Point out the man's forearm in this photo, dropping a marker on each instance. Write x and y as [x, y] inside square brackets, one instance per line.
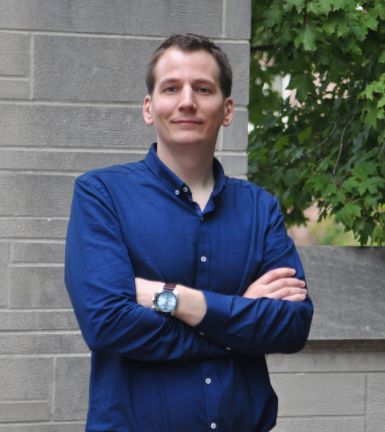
[191, 306]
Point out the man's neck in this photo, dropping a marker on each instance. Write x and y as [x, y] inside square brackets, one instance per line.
[194, 167]
[191, 165]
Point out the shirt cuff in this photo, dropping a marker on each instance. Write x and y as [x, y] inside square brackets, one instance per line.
[218, 310]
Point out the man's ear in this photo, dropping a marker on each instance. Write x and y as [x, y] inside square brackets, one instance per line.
[147, 110]
[229, 112]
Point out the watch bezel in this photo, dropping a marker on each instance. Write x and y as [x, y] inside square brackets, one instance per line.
[167, 290]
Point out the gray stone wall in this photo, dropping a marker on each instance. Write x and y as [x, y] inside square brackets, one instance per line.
[71, 90]
[337, 383]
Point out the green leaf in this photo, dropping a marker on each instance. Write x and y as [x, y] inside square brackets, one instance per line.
[364, 169]
[298, 4]
[381, 58]
[339, 4]
[381, 102]
[304, 135]
[348, 213]
[320, 7]
[350, 184]
[308, 38]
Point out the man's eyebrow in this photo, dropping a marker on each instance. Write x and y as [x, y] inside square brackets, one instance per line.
[204, 81]
[195, 81]
[168, 81]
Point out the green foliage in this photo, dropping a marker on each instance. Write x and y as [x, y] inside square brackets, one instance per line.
[326, 142]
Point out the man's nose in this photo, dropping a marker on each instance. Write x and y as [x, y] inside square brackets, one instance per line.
[187, 99]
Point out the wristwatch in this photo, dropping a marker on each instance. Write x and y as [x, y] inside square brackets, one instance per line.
[166, 299]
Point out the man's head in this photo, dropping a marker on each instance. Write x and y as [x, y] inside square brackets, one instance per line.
[189, 43]
[187, 88]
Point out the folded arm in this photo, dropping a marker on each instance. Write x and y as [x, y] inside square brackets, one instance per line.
[274, 313]
[277, 321]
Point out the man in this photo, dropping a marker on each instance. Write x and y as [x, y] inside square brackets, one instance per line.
[181, 278]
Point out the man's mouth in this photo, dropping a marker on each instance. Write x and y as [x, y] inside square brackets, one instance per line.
[187, 121]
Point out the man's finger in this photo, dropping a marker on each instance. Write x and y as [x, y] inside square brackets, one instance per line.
[285, 283]
[296, 297]
[273, 275]
[286, 292]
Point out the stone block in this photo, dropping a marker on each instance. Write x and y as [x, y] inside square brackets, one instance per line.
[43, 427]
[149, 17]
[347, 286]
[237, 23]
[74, 126]
[375, 410]
[34, 228]
[35, 195]
[4, 252]
[37, 287]
[42, 343]
[329, 361]
[235, 136]
[73, 161]
[14, 89]
[24, 379]
[239, 56]
[3, 285]
[90, 68]
[37, 252]
[71, 388]
[308, 394]
[320, 424]
[24, 411]
[235, 165]
[37, 320]
[14, 54]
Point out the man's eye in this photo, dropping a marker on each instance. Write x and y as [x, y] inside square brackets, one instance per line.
[204, 90]
[170, 89]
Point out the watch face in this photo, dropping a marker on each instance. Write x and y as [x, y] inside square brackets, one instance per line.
[166, 301]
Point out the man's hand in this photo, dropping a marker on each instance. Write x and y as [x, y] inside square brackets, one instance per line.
[278, 284]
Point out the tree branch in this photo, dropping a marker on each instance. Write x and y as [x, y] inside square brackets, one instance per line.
[342, 143]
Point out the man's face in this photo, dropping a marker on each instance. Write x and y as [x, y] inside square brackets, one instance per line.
[187, 106]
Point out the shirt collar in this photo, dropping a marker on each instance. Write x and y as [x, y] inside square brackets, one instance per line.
[172, 181]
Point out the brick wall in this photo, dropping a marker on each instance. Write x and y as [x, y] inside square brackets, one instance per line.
[71, 90]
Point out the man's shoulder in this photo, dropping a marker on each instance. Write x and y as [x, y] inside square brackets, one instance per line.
[113, 173]
[246, 187]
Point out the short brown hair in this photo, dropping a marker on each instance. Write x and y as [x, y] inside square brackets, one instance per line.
[192, 42]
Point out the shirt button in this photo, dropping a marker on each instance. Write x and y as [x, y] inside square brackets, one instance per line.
[228, 348]
[203, 259]
[213, 425]
[208, 380]
[177, 192]
[202, 334]
[185, 189]
[202, 218]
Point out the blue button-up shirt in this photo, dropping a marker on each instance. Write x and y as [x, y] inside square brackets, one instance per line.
[153, 373]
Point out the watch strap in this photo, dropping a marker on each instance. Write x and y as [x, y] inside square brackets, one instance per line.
[169, 287]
